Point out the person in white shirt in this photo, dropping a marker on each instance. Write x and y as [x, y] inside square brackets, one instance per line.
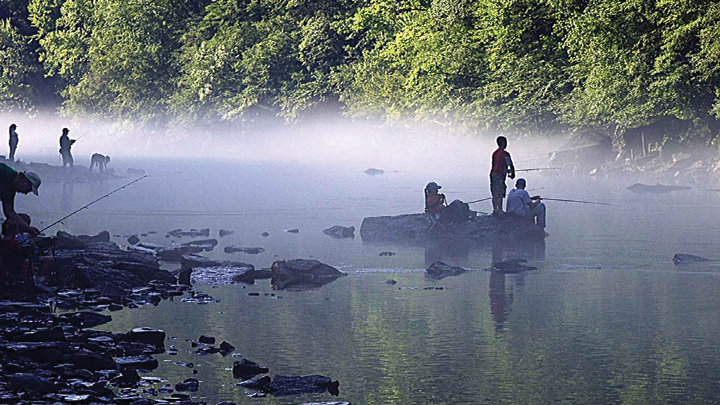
[520, 203]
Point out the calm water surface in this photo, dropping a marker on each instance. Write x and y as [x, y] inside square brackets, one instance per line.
[606, 318]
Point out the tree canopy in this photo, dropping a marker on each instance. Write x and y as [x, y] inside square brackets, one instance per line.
[528, 66]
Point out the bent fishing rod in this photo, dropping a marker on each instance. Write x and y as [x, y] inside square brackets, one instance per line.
[89, 204]
[538, 168]
[579, 201]
[489, 198]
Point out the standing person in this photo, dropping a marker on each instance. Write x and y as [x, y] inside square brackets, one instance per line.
[13, 142]
[521, 204]
[502, 167]
[11, 183]
[65, 145]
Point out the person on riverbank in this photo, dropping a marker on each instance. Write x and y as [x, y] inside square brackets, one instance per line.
[521, 204]
[11, 183]
[65, 145]
[100, 161]
[13, 142]
[502, 167]
[435, 204]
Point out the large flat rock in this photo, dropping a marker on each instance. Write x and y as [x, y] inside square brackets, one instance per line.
[419, 227]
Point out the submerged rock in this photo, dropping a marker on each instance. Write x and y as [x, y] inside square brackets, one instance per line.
[224, 232]
[511, 266]
[682, 258]
[302, 273]
[440, 270]
[245, 369]
[248, 250]
[257, 384]
[340, 232]
[374, 172]
[419, 228]
[194, 233]
[294, 230]
[189, 385]
[208, 340]
[295, 385]
[205, 244]
[133, 240]
[264, 234]
[656, 189]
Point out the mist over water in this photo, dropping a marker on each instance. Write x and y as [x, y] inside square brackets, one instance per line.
[605, 317]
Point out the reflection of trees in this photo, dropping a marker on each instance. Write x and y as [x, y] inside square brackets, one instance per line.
[579, 337]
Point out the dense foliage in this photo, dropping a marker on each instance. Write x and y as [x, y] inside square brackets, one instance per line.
[511, 65]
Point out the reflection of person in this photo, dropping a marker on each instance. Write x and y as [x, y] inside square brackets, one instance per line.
[12, 182]
[521, 204]
[13, 142]
[65, 145]
[456, 212]
[100, 161]
[502, 166]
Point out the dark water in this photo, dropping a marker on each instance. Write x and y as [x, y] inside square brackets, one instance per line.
[607, 317]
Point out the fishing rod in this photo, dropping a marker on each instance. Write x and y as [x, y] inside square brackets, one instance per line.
[579, 201]
[93, 202]
[538, 168]
[489, 198]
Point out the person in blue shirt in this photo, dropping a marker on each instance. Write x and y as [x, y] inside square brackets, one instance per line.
[521, 204]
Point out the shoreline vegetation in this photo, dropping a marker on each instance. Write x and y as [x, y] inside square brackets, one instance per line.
[641, 77]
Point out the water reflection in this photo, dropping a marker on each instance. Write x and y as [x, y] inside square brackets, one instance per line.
[501, 297]
[453, 250]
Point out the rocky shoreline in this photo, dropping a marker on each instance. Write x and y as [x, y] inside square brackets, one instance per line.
[50, 353]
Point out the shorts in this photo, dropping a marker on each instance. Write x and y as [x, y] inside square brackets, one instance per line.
[497, 186]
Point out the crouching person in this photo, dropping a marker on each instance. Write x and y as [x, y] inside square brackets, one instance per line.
[521, 204]
[435, 204]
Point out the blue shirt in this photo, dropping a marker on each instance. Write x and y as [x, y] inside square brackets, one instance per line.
[518, 201]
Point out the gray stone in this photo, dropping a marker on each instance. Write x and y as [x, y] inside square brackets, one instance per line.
[142, 362]
[30, 382]
[245, 369]
[681, 258]
[440, 270]
[286, 385]
[150, 336]
[189, 385]
[302, 273]
[340, 232]
[418, 228]
[133, 240]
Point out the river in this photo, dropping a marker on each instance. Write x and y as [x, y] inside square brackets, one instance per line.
[606, 318]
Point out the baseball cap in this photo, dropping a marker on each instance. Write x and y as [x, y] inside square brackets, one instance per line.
[34, 180]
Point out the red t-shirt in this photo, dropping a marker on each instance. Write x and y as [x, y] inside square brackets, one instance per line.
[500, 162]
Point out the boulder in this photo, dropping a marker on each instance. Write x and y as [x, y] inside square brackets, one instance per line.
[85, 319]
[417, 228]
[226, 348]
[245, 369]
[55, 334]
[286, 385]
[257, 384]
[189, 385]
[149, 336]
[340, 232]
[85, 359]
[302, 273]
[30, 382]
[133, 239]
[440, 270]
[681, 258]
[208, 340]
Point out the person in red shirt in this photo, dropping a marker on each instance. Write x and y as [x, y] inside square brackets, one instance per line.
[502, 167]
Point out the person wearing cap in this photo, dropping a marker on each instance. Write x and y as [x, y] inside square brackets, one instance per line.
[11, 183]
[521, 204]
[65, 145]
[435, 204]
